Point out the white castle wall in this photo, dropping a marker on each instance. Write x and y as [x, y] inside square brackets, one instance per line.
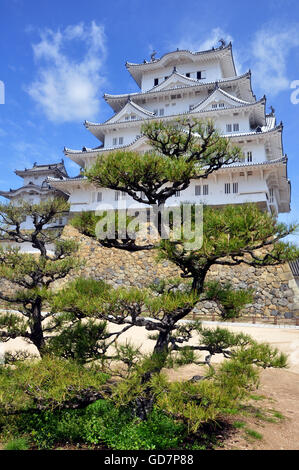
[212, 72]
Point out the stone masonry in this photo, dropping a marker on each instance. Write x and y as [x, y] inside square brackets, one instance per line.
[275, 290]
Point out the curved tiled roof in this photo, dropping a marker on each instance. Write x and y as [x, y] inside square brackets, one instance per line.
[98, 150]
[89, 124]
[184, 51]
[222, 52]
[197, 83]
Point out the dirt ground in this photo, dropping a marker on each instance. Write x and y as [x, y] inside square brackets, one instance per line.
[271, 421]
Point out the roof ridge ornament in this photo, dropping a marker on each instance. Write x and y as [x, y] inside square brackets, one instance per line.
[222, 43]
[153, 54]
[174, 70]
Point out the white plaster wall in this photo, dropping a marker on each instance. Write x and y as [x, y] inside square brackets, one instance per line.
[212, 71]
[250, 189]
[38, 180]
[128, 135]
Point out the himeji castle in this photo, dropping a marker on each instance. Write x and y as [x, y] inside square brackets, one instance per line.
[202, 85]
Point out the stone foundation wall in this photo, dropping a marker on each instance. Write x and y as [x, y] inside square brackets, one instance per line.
[275, 290]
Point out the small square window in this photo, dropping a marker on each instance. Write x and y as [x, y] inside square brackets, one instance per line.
[205, 190]
[228, 127]
[236, 127]
[188, 74]
[178, 194]
[156, 81]
[161, 112]
[99, 197]
[114, 141]
[249, 156]
[120, 140]
[199, 75]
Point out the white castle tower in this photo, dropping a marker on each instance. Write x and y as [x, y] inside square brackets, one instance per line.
[36, 187]
[203, 85]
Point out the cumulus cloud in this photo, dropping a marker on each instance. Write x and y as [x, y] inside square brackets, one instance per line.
[70, 72]
[270, 51]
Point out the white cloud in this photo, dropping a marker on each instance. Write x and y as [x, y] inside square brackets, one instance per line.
[67, 87]
[271, 49]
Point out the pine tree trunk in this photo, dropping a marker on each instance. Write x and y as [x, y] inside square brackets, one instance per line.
[144, 405]
[37, 335]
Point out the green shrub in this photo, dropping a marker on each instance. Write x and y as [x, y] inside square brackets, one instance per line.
[119, 430]
[102, 424]
[47, 428]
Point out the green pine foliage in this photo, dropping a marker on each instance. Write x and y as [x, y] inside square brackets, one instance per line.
[32, 274]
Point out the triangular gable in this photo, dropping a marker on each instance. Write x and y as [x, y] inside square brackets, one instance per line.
[130, 109]
[175, 80]
[219, 97]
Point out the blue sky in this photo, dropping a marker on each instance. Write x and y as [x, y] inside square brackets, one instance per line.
[59, 57]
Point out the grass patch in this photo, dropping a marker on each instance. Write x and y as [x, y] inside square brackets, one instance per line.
[239, 424]
[257, 397]
[20, 443]
[277, 414]
[254, 434]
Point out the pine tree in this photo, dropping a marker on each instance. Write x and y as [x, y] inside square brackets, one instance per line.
[32, 274]
[184, 151]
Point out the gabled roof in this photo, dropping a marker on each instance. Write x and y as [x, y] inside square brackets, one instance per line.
[130, 107]
[30, 187]
[177, 79]
[100, 129]
[217, 95]
[223, 53]
[80, 156]
[242, 81]
[57, 168]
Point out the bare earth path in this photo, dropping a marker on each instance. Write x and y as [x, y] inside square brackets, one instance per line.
[280, 389]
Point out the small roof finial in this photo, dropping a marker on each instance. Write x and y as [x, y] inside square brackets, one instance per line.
[222, 42]
[153, 54]
[272, 110]
[174, 69]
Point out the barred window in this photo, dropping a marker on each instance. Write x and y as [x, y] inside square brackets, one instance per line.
[235, 188]
[197, 190]
[205, 189]
[227, 188]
